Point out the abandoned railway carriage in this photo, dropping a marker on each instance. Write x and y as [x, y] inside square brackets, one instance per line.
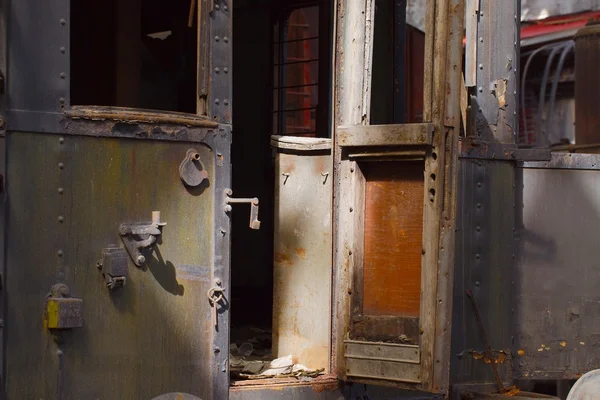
[212, 199]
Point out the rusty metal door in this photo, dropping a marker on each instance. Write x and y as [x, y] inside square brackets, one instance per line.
[117, 253]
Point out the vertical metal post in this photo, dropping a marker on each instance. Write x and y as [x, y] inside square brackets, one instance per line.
[496, 98]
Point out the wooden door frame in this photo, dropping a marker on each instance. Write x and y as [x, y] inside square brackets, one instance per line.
[352, 81]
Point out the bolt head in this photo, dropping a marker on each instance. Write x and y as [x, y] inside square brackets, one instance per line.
[141, 259]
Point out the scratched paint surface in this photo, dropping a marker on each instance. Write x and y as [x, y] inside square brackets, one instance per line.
[152, 336]
[393, 238]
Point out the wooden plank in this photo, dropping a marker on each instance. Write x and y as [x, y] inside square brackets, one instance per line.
[386, 135]
[393, 234]
[351, 107]
[471, 47]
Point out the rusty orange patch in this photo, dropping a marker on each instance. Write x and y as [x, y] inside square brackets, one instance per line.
[301, 252]
[281, 258]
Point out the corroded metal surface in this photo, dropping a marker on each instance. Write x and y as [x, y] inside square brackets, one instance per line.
[556, 281]
[302, 259]
[484, 255]
[152, 336]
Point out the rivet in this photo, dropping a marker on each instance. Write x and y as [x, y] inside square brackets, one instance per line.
[478, 229]
[477, 283]
[226, 70]
[479, 184]
[225, 101]
[217, 101]
[61, 165]
[480, 89]
[477, 256]
[62, 100]
[351, 209]
[226, 39]
[63, 50]
[217, 6]
[216, 38]
[480, 66]
[481, 13]
[61, 190]
[60, 253]
[217, 70]
[225, 8]
[63, 75]
[63, 22]
[59, 353]
[61, 219]
[61, 140]
[481, 39]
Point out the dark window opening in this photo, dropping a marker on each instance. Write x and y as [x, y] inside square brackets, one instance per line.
[397, 91]
[296, 74]
[134, 53]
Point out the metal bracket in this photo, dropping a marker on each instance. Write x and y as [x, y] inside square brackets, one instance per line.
[191, 169]
[254, 222]
[141, 236]
[62, 311]
[113, 267]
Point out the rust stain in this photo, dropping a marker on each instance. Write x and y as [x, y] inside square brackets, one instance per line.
[281, 258]
[301, 252]
[498, 356]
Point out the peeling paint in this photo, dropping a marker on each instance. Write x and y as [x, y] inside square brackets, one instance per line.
[499, 90]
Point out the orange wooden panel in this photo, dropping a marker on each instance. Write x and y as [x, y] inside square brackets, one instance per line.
[393, 238]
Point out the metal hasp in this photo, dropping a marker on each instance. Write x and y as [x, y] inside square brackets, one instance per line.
[113, 267]
[62, 311]
[191, 169]
[254, 222]
[141, 236]
[215, 296]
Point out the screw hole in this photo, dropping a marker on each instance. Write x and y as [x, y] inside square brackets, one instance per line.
[433, 177]
[434, 156]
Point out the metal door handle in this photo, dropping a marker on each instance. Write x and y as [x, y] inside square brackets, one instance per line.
[254, 222]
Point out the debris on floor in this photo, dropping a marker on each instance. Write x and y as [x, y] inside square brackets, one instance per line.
[250, 358]
[282, 367]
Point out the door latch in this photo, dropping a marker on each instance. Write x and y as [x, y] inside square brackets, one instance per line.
[139, 236]
[254, 222]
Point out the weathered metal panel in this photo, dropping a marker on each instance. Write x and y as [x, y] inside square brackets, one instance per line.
[38, 70]
[67, 197]
[302, 255]
[557, 298]
[484, 255]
